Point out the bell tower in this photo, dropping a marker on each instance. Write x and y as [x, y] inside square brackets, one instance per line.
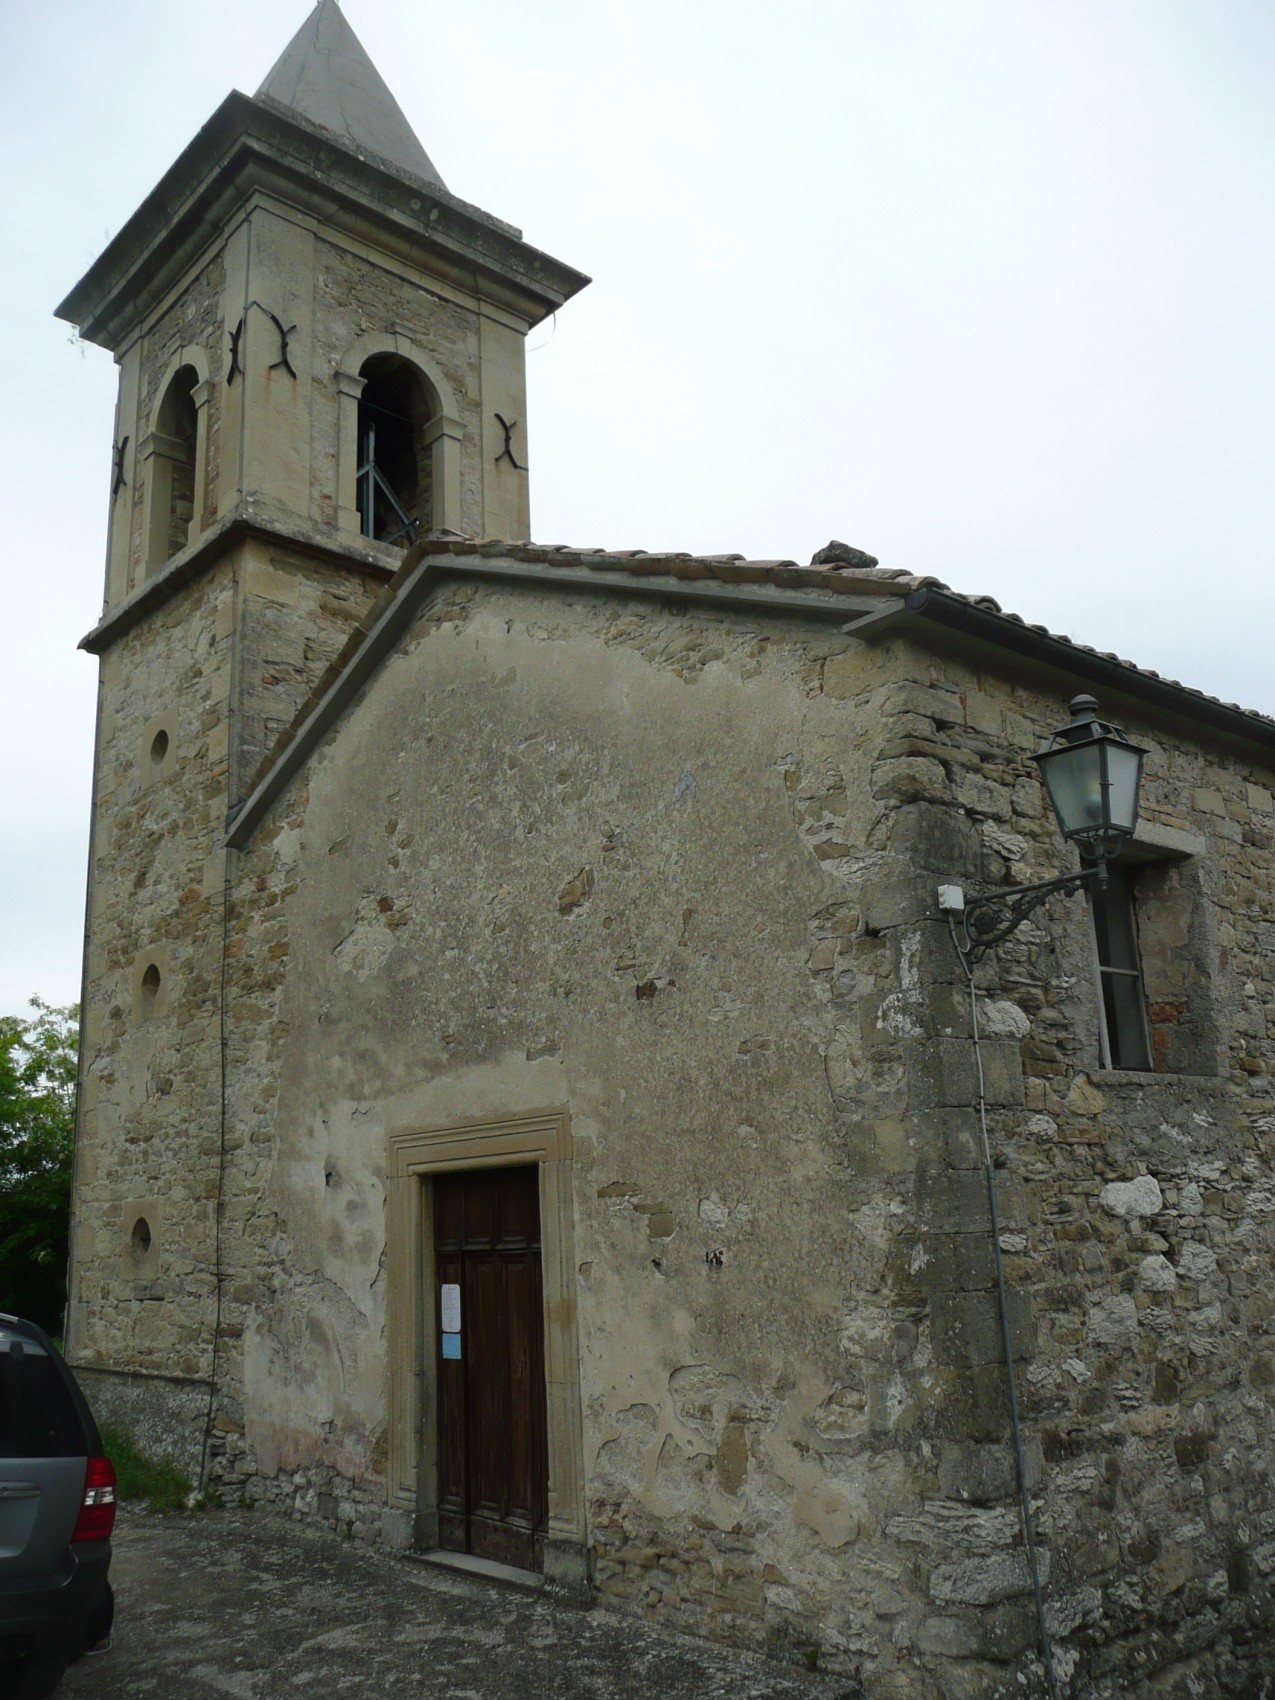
[301, 284]
[321, 354]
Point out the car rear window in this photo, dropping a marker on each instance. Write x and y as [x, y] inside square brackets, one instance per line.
[38, 1418]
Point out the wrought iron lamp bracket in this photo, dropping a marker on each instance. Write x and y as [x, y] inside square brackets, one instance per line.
[987, 920]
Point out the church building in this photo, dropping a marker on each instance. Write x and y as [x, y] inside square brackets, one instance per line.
[529, 1104]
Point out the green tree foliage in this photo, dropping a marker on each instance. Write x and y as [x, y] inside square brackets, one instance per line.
[37, 1134]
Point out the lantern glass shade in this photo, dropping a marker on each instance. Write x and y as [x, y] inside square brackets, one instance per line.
[1093, 775]
[1124, 781]
[1073, 779]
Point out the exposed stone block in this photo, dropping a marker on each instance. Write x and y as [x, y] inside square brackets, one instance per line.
[1196, 1262]
[986, 1579]
[848, 675]
[967, 1327]
[948, 1637]
[941, 839]
[949, 1005]
[948, 1138]
[959, 1262]
[890, 904]
[1156, 1274]
[944, 1073]
[1008, 1629]
[1138, 1197]
[984, 712]
[1113, 1321]
[947, 754]
[910, 779]
[985, 1474]
[955, 1201]
[943, 706]
[984, 797]
[1000, 1019]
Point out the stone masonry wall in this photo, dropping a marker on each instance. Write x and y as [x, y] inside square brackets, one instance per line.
[1136, 1215]
[150, 1085]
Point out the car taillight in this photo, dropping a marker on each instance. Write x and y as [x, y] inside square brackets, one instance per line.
[97, 1508]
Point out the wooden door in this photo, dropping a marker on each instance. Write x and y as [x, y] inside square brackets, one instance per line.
[493, 1465]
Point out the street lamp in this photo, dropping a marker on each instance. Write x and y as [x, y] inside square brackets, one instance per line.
[1092, 775]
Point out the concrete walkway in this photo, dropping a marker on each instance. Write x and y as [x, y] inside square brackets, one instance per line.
[251, 1607]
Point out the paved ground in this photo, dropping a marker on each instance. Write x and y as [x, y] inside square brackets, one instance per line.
[253, 1608]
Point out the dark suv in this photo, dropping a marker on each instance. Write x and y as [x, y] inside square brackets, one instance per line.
[57, 1510]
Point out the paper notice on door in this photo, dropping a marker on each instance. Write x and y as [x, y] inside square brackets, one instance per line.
[451, 1345]
[451, 1307]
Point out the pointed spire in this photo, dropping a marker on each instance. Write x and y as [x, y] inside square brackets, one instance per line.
[324, 74]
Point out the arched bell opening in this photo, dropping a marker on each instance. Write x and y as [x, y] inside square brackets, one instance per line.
[171, 459]
[395, 478]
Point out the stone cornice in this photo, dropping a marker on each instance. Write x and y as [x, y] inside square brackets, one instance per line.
[249, 519]
[251, 145]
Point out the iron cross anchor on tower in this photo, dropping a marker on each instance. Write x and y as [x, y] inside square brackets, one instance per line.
[507, 453]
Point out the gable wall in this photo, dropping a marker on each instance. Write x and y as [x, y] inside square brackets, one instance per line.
[669, 871]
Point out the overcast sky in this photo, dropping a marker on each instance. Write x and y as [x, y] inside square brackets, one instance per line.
[986, 287]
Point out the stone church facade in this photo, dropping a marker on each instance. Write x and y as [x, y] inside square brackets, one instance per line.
[527, 1102]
